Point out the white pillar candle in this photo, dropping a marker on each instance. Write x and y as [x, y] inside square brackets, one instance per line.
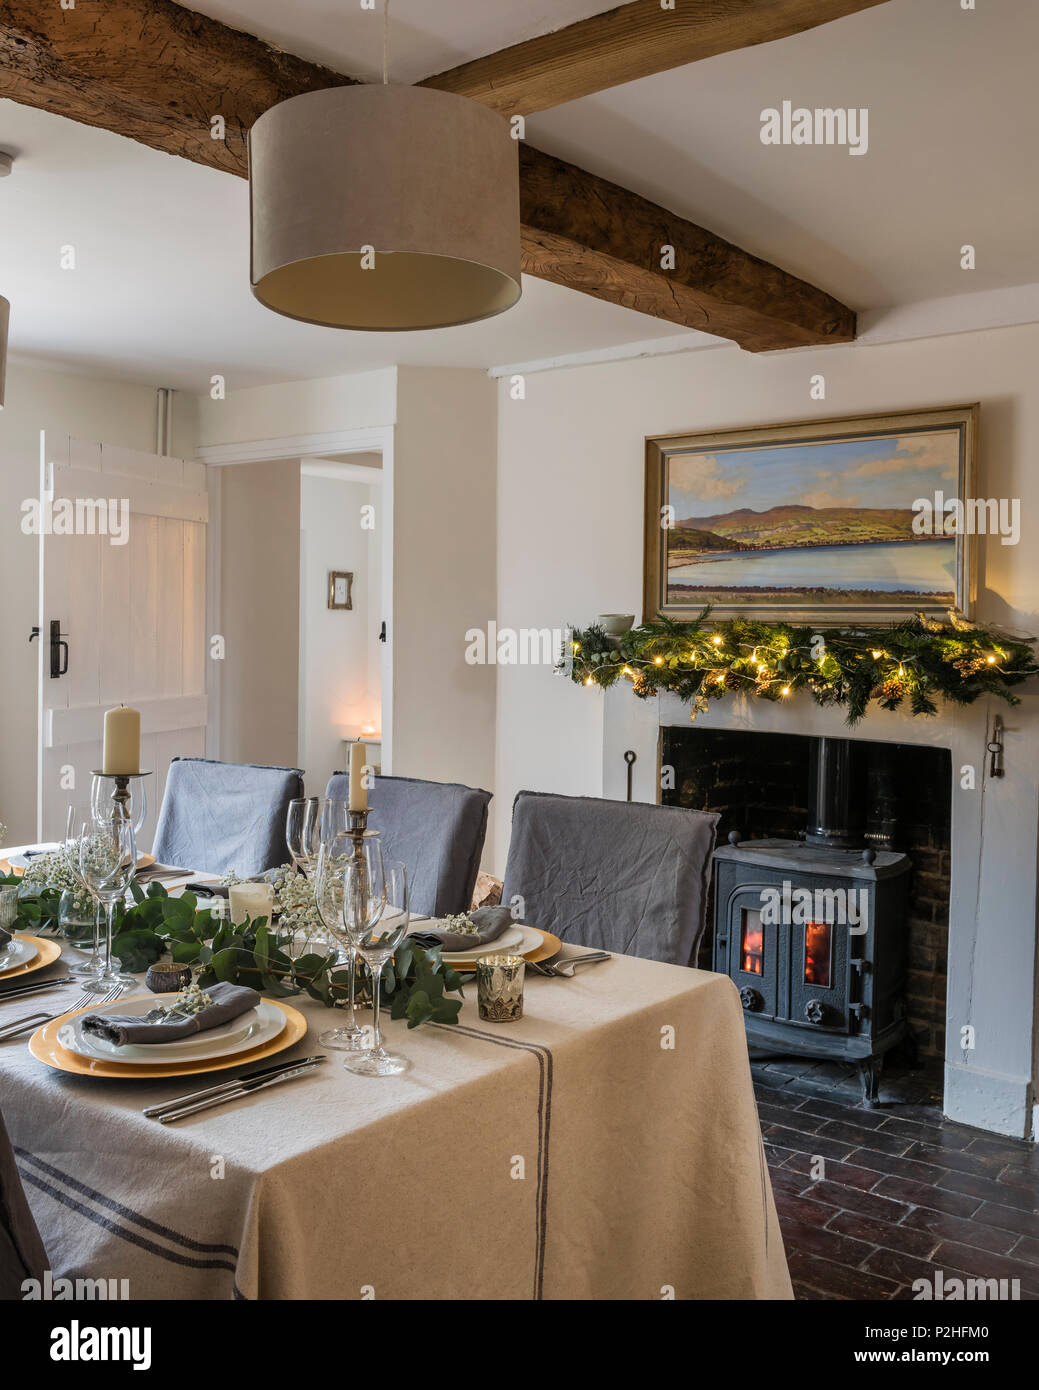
[122, 749]
[251, 900]
[358, 791]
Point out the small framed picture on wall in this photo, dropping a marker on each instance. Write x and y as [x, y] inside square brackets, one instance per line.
[340, 589]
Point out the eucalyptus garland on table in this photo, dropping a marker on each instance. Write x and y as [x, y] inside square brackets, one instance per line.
[917, 661]
[415, 981]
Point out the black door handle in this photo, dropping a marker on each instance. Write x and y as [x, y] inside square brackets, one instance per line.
[58, 647]
[35, 633]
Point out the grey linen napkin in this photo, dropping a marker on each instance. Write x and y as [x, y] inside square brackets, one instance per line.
[491, 921]
[228, 1002]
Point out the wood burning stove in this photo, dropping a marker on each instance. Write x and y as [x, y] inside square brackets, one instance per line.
[813, 933]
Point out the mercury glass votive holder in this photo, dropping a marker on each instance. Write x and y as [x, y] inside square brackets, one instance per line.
[8, 906]
[499, 988]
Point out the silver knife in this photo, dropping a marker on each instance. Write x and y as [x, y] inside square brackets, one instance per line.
[261, 1074]
[20, 991]
[237, 1093]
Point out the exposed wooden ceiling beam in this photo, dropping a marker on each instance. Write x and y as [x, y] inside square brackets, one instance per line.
[150, 70]
[632, 41]
[591, 235]
[159, 74]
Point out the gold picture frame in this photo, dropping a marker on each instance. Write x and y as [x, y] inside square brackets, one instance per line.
[853, 562]
[340, 589]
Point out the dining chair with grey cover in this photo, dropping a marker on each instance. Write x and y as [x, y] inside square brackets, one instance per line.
[22, 1255]
[221, 816]
[626, 877]
[436, 829]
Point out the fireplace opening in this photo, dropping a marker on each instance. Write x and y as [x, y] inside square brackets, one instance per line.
[842, 796]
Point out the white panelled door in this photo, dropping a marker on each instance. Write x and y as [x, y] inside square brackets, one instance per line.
[122, 616]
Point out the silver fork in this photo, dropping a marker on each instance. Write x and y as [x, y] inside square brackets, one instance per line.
[564, 970]
[22, 1025]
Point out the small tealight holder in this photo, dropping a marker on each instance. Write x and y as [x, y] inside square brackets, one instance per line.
[499, 988]
[8, 906]
[167, 977]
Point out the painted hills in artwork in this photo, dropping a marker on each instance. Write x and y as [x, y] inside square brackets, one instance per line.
[791, 526]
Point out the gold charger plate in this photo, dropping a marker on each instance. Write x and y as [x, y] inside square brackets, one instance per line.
[45, 1047]
[143, 861]
[47, 952]
[550, 945]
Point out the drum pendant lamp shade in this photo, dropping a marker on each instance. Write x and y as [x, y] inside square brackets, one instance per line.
[421, 186]
[5, 314]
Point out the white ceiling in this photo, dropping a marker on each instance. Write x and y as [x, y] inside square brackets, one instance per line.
[161, 290]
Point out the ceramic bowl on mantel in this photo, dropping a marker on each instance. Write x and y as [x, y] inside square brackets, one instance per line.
[616, 624]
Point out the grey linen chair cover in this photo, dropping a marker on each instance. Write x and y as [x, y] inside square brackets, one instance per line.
[220, 816]
[22, 1255]
[435, 829]
[623, 876]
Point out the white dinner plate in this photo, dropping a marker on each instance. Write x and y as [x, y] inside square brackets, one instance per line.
[251, 1029]
[514, 940]
[17, 952]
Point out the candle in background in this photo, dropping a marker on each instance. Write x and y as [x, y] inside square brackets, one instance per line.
[358, 791]
[250, 900]
[122, 750]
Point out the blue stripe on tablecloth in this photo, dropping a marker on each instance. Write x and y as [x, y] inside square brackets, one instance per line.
[173, 1256]
[544, 1060]
[154, 1226]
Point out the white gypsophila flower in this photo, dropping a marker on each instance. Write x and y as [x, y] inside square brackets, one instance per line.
[461, 924]
[54, 870]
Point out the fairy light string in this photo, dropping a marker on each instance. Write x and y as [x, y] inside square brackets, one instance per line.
[919, 662]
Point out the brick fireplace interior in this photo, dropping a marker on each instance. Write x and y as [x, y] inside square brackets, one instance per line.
[759, 783]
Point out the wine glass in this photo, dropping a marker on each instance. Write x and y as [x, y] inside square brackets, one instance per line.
[302, 833]
[75, 820]
[107, 860]
[102, 805]
[337, 851]
[376, 936]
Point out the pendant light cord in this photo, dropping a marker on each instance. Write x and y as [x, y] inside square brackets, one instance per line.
[386, 43]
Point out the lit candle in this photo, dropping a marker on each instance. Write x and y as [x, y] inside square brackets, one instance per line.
[358, 791]
[122, 750]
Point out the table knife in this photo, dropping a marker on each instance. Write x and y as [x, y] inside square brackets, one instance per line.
[243, 1089]
[20, 991]
[153, 1111]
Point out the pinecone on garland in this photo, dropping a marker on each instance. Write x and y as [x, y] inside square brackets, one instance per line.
[893, 688]
[970, 665]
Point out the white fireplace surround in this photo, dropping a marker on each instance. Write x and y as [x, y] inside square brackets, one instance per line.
[995, 845]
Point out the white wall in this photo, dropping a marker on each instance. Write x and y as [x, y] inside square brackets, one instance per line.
[570, 502]
[61, 403]
[259, 619]
[335, 645]
[444, 574]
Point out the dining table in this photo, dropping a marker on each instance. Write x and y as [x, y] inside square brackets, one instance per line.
[605, 1145]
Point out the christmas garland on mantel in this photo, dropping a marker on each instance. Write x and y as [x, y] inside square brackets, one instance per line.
[919, 661]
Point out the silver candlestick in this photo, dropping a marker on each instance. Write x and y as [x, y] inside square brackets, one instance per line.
[121, 795]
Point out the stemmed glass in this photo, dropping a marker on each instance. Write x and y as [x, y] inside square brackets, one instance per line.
[75, 820]
[107, 860]
[303, 833]
[376, 935]
[102, 806]
[336, 852]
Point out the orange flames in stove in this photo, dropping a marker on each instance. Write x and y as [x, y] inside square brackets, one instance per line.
[817, 953]
[753, 944]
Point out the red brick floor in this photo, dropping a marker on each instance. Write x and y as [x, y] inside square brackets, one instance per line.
[903, 1192]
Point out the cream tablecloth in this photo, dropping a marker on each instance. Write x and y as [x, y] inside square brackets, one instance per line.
[606, 1146]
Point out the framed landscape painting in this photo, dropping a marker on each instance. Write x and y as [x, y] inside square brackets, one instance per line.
[819, 522]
